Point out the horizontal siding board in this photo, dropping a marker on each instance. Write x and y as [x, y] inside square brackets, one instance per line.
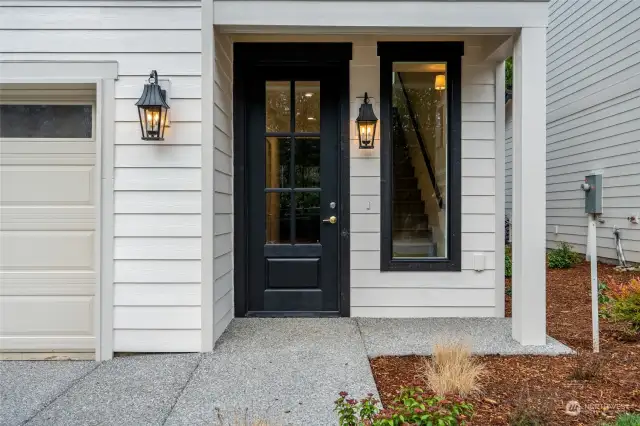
[157, 271]
[403, 280]
[157, 179]
[157, 340]
[157, 225]
[96, 18]
[92, 41]
[157, 156]
[157, 202]
[157, 248]
[156, 317]
[478, 148]
[177, 63]
[365, 204]
[154, 294]
[405, 297]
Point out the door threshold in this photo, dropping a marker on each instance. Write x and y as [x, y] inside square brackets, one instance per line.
[293, 314]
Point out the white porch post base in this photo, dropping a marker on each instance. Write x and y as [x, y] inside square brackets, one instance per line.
[529, 186]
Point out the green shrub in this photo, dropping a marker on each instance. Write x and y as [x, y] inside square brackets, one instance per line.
[411, 407]
[563, 257]
[626, 420]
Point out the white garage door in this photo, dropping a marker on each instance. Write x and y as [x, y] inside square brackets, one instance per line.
[47, 218]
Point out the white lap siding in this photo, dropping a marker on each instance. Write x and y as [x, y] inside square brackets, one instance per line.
[421, 294]
[157, 224]
[223, 199]
[427, 294]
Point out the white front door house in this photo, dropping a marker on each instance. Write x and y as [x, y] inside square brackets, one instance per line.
[267, 196]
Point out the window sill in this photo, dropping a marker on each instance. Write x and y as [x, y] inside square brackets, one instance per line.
[444, 265]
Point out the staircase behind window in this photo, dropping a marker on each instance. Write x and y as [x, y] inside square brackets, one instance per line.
[418, 186]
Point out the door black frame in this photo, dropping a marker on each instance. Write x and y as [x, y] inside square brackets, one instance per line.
[247, 56]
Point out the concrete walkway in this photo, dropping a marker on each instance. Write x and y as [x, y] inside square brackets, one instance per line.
[286, 371]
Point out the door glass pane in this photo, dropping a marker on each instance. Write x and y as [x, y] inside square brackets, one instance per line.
[278, 218]
[278, 162]
[46, 121]
[307, 164]
[307, 217]
[278, 106]
[307, 106]
[419, 134]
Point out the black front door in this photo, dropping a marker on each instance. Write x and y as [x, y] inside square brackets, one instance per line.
[292, 182]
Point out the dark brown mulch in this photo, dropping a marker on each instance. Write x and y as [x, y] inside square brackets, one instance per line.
[545, 381]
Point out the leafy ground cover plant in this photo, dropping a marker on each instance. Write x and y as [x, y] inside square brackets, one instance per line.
[412, 406]
[627, 419]
[563, 257]
[452, 370]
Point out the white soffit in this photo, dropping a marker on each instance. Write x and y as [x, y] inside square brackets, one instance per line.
[402, 14]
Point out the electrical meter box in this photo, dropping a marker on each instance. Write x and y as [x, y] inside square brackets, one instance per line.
[592, 187]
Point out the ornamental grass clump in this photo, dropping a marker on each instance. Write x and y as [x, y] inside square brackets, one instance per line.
[452, 370]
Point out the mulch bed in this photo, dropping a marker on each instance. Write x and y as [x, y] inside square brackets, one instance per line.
[543, 384]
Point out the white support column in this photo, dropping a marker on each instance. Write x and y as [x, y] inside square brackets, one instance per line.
[499, 186]
[529, 187]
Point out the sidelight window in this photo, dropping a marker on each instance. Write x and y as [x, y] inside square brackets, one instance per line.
[420, 108]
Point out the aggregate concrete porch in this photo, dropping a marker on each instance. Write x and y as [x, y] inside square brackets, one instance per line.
[288, 371]
[417, 336]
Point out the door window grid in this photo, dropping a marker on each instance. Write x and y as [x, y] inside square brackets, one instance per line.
[292, 158]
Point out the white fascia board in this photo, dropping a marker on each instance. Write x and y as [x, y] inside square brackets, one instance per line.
[399, 14]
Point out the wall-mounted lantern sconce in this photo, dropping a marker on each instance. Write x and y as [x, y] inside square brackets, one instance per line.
[366, 122]
[441, 82]
[152, 110]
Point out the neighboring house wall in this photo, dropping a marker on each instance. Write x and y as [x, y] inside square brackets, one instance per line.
[157, 251]
[422, 294]
[593, 116]
[223, 197]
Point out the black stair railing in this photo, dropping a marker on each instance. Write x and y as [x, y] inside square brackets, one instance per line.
[425, 154]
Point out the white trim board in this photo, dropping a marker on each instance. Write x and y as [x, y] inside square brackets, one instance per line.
[103, 75]
[442, 14]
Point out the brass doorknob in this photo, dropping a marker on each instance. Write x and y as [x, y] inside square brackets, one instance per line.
[332, 220]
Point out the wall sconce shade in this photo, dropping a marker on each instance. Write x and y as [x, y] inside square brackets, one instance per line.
[366, 123]
[441, 82]
[152, 110]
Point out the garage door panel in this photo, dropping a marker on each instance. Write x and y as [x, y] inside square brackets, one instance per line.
[28, 148]
[47, 343]
[48, 211]
[47, 185]
[47, 159]
[59, 218]
[46, 315]
[46, 250]
[36, 283]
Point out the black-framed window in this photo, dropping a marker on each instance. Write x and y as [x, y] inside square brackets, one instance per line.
[420, 106]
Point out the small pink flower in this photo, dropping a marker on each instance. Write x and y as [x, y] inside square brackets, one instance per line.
[343, 394]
